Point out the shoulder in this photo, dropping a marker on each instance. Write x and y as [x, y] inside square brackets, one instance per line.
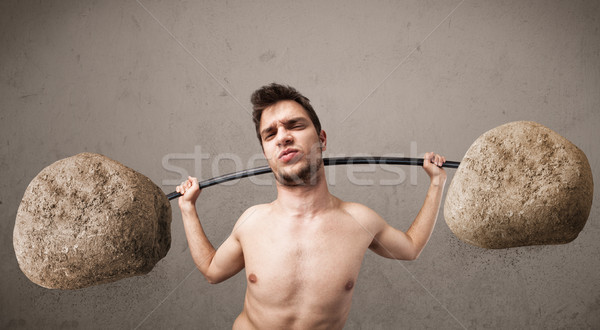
[357, 209]
[249, 219]
[364, 215]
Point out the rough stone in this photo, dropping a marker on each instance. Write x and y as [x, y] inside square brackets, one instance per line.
[87, 220]
[520, 184]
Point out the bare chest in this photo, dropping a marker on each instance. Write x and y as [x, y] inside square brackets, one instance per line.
[305, 263]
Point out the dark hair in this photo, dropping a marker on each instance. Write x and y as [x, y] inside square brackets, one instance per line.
[268, 95]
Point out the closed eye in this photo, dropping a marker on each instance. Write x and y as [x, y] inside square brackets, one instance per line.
[297, 123]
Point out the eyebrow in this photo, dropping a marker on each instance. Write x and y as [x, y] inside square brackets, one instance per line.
[286, 122]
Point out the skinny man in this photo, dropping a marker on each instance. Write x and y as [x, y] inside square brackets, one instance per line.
[303, 251]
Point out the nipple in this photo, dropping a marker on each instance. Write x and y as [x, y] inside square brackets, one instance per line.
[252, 278]
[349, 285]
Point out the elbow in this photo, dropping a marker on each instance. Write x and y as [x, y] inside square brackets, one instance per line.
[410, 258]
[415, 249]
[413, 255]
[405, 256]
[212, 279]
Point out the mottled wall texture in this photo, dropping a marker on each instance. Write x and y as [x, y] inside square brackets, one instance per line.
[163, 87]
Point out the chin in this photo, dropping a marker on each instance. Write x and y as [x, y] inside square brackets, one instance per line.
[301, 174]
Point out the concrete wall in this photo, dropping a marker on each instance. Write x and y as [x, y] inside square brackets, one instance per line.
[142, 81]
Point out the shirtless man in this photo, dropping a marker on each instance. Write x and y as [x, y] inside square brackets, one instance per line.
[303, 251]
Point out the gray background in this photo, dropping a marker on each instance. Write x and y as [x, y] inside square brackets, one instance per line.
[141, 81]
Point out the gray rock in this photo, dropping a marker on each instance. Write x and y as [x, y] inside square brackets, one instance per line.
[520, 184]
[87, 220]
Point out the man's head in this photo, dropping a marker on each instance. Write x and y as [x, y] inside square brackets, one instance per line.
[269, 95]
[291, 136]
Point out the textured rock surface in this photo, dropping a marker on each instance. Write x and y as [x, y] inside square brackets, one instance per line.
[87, 220]
[520, 184]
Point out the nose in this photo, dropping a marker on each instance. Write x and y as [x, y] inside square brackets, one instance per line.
[284, 137]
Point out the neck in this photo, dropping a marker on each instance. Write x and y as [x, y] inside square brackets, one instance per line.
[306, 200]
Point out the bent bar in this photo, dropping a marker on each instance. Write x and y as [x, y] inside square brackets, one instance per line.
[326, 162]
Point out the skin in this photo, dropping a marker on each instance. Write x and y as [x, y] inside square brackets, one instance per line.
[303, 251]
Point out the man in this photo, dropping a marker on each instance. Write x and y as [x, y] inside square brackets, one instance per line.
[303, 251]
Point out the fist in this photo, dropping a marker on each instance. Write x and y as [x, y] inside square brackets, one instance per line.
[432, 164]
[190, 190]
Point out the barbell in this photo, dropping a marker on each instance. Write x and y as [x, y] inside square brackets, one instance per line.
[88, 219]
[326, 162]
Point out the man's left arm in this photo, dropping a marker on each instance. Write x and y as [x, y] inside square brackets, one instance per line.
[392, 243]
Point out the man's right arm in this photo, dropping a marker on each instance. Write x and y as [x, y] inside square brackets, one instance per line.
[215, 265]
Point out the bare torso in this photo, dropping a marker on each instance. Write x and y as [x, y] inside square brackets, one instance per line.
[301, 271]
[302, 253]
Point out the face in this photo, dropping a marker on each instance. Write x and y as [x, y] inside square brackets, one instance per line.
[291, 144]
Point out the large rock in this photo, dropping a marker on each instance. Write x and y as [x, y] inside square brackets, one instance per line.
[520, 184]
[87, 220]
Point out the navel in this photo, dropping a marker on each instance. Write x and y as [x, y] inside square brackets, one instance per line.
[252, 278]
[349, 285]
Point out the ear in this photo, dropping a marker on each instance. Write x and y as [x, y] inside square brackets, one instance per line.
[323, 140]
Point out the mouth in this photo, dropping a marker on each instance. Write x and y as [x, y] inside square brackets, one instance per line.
[288, 154]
